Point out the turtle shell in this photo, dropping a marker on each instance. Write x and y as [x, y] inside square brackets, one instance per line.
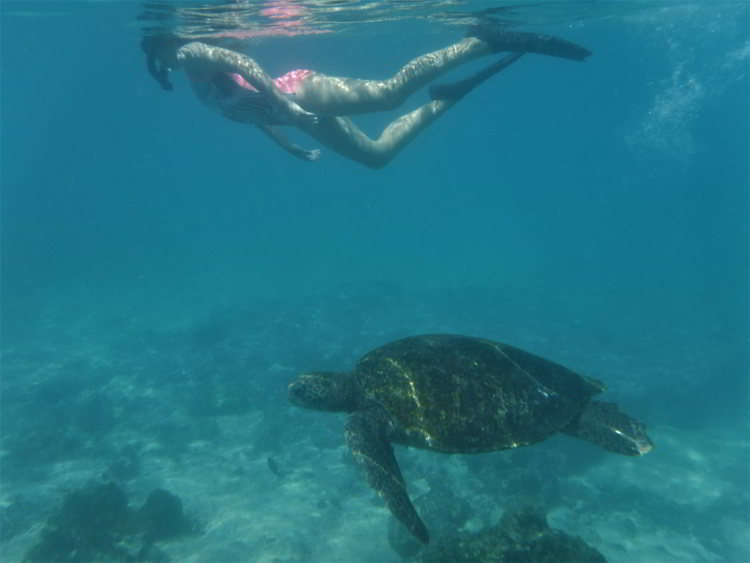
[457, 394]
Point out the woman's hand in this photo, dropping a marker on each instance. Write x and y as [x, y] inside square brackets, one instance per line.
[301, 118]
[311, 155]
[278, 135]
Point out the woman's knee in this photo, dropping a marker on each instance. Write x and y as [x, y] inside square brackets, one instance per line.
[393, 94]
[375, 160]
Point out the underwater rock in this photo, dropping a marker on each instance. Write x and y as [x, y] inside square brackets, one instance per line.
[442, 512]
[96, 524]
[274, 467]
[87, 527]
[161, 516]
[16, 516]
[521, 536]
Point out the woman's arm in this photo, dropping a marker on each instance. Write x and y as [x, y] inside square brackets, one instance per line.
[278, 136]
[201, 59]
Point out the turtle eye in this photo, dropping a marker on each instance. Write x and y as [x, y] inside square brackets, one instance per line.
[294, 390]
[299, 394]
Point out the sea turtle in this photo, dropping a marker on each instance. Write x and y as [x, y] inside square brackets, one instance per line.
[459, 394]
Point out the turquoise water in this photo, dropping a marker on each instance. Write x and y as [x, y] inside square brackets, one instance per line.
[166, 272]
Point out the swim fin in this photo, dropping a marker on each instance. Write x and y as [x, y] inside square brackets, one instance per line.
[456, 90]
[503, 39]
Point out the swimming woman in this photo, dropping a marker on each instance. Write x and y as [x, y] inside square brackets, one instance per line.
[320, 105]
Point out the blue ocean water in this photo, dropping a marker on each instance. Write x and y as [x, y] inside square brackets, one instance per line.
[166, 272]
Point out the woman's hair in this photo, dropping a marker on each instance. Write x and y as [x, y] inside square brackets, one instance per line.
[156, 67]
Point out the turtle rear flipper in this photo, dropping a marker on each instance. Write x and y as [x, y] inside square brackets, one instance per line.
[367, 436]
[603, 424]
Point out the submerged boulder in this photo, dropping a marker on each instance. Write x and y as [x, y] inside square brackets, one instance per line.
[96, 524]
[442, 512]
[161, 516]
[520, 536]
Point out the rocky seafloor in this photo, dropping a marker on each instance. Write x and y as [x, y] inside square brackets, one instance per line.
[98, 400]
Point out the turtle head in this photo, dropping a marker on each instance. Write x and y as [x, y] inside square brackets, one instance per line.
[321, 390]
[605, 425]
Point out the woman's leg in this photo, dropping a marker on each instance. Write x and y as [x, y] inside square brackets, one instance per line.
[344, 137]
[327, 95]
[335, 96]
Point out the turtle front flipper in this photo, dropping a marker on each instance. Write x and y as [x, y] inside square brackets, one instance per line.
[367, 434]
